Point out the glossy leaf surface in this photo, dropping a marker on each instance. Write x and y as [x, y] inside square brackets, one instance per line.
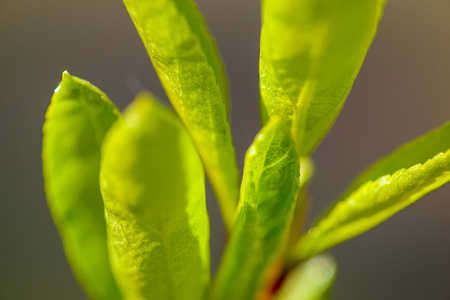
[153, 186]
[418, 150]
[312, 280]
[268, 196]
[76, 122]
[311, 52]
[374, 202]
[188, 65]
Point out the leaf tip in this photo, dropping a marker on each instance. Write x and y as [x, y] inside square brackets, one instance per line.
[66, 74]
[145, 96]
[65, 81]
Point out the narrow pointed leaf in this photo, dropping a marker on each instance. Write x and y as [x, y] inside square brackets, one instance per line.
[268, 196]
[312, 280]
[311, 52]
[374, 202]
[189, 67]
[153, 186]
[76, 122]
[418, 150]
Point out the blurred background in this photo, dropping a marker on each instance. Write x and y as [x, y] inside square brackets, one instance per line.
[401, 92]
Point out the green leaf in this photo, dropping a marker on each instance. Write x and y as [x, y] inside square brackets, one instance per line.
[153, 186]
[418, 150]
[374, 202]
[76, 122]
[311, 52]
[307, 172]
[189, 67]
[312, 280]
[268, 197]
[406, 156]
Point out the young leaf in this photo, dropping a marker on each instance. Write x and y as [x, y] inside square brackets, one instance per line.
[76, 122]
[418, 150]
[153, 186]
[189, 67]
[374, 202]
[268, 195]
[311, 52]
[312, 280]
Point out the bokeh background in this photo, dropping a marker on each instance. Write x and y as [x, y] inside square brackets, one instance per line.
[402, 92]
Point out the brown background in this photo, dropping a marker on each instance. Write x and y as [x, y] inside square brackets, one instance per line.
[402, 92]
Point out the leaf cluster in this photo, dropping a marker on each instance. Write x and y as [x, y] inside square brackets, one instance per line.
[127, 191]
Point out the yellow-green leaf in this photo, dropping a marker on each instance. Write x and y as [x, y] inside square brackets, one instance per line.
[418, 150]
[75, 124]
[311, 52]
[189, 67]
[312, 280]
[374, 202]
[405, 157]
[153, 186]
[268, 197]
[306, 174]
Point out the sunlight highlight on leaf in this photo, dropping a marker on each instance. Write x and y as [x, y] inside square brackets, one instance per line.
[413, 152]
[75, 124]
[311, 52]
[188, 64]
[153, 186]
[268, 197]
[373, 203]
[312, 280]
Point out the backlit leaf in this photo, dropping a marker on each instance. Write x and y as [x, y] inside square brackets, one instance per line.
[268, 197]
[373, 202]
[311, 52]
[189, 67]
[76, 122]
[312, 280]
[418, 150]
[153, 186]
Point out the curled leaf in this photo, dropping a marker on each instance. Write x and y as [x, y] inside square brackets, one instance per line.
[268, 197]
[75, 124]
[153, 186]
[373, 203]
[189, 67]
[311, 52]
